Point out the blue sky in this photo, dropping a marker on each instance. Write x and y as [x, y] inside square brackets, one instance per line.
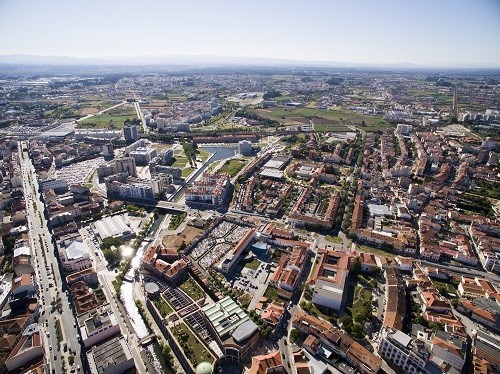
[426, 32]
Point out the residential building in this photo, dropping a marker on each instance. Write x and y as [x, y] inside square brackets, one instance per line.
[210, 190]
[130, 133]
[325, 339]
[397, 349]
[98, 325]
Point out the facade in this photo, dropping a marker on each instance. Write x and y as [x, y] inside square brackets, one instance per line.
[136, 191]
[329, 279]
[395, 347]
[143, 155]
[130, 133]
[54, 184]
[211, 189]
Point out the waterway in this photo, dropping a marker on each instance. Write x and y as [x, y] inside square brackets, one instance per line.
[138, 324]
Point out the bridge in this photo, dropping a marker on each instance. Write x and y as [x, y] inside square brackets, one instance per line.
[147, 339]
[171, 206]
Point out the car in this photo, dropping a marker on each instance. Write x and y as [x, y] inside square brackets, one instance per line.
[50, 347]
[55, 357]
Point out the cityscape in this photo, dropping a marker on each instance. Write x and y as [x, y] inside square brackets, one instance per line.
[176, 211]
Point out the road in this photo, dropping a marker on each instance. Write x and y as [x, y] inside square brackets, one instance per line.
[141, 117]
[48, 276]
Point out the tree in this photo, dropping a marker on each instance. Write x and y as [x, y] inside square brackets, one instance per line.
[346, 321]
[357, 330]
[294, 335]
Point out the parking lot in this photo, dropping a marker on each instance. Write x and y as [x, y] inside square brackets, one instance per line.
[79, 172]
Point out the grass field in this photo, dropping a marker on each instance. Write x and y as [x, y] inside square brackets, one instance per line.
[254, 264]
[362, 297]
[340, 117]
[190, 287]
[112, 119]
[367, 248]
[232, 167]
[333, 239]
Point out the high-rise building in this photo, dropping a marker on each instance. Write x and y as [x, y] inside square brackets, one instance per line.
[245, 147]
[130, 133]
[126, 165]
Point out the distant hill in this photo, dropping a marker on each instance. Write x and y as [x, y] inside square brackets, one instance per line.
[209, 60]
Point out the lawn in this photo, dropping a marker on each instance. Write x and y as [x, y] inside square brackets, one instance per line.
[232, 167]
[203, 155]
[186, 172]
[163, 307]
[333, 239]
[376, 251]
[112, 119]
[254, 264]
[196, 351]
[190, 287]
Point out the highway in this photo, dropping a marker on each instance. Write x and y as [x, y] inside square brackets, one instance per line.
[48, 277]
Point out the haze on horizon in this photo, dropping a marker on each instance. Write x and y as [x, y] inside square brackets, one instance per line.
[425, 32]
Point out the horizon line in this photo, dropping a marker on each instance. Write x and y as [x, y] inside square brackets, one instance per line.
[230, 60]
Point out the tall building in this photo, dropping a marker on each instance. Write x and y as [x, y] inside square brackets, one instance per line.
[126, 165]
[245, 147]
[130, 133]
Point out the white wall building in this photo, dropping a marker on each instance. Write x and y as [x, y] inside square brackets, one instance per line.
[75, 257]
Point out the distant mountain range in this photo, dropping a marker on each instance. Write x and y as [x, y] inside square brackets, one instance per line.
[209, 60]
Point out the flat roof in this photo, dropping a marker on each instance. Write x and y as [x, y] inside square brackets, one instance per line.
[272, 173]
[274, 164]
[379, 210]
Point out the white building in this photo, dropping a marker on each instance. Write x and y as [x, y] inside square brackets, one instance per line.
[136, 191]
[404, 129]
[97, 326]
[75, 257]
[395, 348]
[142, 155]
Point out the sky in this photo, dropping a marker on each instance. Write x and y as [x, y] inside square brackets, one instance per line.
[423, 32]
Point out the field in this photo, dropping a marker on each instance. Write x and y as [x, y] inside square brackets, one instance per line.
[337, 120]
[376, 251]
[112, 119]
[187, 235]
[254, 264]
[232, 167]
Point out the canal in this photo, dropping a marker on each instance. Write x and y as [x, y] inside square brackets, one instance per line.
[153, 350]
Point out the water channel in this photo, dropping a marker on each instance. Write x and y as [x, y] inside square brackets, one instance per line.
[127, 289]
